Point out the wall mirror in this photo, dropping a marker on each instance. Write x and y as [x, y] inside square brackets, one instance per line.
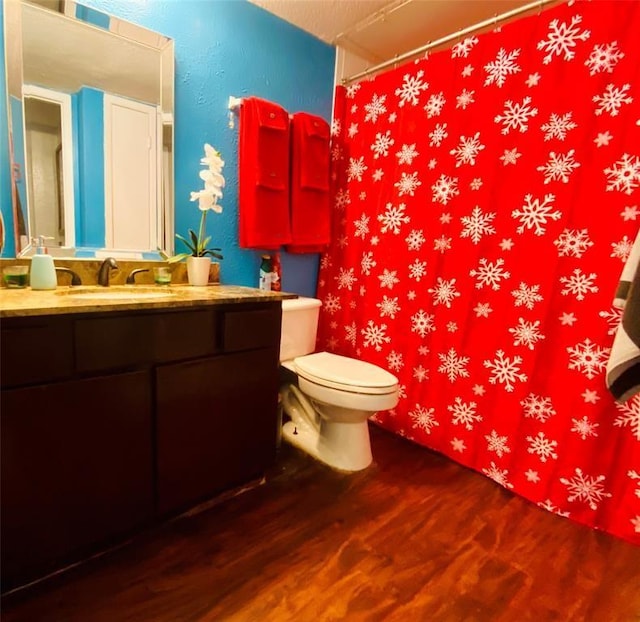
[91, 128]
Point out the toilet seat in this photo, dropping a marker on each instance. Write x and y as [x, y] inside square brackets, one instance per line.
[345, 374]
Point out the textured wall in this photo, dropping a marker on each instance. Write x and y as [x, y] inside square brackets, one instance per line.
[231, 47]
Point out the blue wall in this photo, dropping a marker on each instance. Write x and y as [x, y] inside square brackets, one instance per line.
[88, 131]
[223, 48]
[9, 247]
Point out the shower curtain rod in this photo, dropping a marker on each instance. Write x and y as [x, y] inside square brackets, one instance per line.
[538, 4]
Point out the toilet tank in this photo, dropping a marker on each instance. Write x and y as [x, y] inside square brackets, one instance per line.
[299, 327]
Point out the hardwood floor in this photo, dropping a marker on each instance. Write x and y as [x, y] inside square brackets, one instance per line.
[415, 538]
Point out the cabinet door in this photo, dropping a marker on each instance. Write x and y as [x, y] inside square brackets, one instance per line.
[216, 425]
[76, 470]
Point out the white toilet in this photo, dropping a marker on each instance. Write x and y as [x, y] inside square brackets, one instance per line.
[335, 394]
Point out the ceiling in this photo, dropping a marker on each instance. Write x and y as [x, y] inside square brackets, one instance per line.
[379, 30]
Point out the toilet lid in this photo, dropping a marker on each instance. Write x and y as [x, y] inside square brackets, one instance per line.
[344, 372]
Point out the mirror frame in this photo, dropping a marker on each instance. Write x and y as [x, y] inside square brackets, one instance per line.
[16, 88]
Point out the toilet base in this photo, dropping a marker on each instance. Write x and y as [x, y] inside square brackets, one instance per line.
[342, 446]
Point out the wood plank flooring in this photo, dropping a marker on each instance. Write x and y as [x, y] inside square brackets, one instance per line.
[415, 538]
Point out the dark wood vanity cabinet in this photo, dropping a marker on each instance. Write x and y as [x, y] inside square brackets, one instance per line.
[144, 415]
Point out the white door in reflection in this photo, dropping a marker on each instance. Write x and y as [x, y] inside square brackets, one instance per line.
[131, 173]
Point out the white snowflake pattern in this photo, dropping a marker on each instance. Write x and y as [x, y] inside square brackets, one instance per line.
[417, 269]
[535, 213]
[375, 335]
[510, 156]
[415, 240]
[612, 99]
[630, 416]
[557, 126]
[351, 333]
[526, 295]
[353, 130]
[573, 242]
[630, 213]
[357, 169]
[475, 183]
[542, 447]
[562, 38]
[467, 70]
[468, 149]
[504, 65]
[477, 224]
[393, 218]
[442, 244]
[464, 413]
[408, 184]
[453, 365]
[613, 318]
[346, 278]
[498, 475]
[388, 278]
[382, 144]
[584, 428]
[407, 153]
[505, 370]
[438, 134]
[331, 304]
[352, 89]
[457, 444]
[537, 407]
[579, 284]
[622, 249]
[423, 418]
[516, 116]
[375, 108]
[635, 476]
[388, 307]
[604, 58]
[624, 175]
[361, 226]
[497, 443]
[420, 373]
[444, 292]
[422, 323]
[342, 198]
[463, 48]
[465, 99]
[435, 104]
[367, 263]
[588, 358]
[378, 174]
[482, 309]
[586, 488]
[559, 166]
[526, 333]
[411, 88]
[550, 507]
[394, 361]
[445, 189]
[490, 274]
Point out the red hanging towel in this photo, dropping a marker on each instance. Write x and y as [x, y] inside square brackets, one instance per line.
[263, 175]
[310, 199]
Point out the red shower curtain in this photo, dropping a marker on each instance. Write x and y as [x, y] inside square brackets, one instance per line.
[486, 198]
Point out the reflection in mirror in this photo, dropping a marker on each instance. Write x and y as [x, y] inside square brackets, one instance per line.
[92, 132]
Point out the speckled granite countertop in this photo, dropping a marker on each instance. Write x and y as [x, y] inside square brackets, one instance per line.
[95, 299]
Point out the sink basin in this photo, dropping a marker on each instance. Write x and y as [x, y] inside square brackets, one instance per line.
[132, 292]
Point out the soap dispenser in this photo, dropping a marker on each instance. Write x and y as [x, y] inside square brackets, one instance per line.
[43, 271]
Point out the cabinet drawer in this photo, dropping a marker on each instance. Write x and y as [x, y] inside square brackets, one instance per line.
[114, 342]
[252, 329]
[184, 335]
[36, 350]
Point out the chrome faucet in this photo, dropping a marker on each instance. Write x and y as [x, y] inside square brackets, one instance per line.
[105, 267]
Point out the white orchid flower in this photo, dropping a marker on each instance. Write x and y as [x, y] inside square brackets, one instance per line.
[212, 159]
[206, 200]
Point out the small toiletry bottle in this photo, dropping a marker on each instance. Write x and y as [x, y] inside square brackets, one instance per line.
[43, 271]
[276, 273]
[265, 272]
